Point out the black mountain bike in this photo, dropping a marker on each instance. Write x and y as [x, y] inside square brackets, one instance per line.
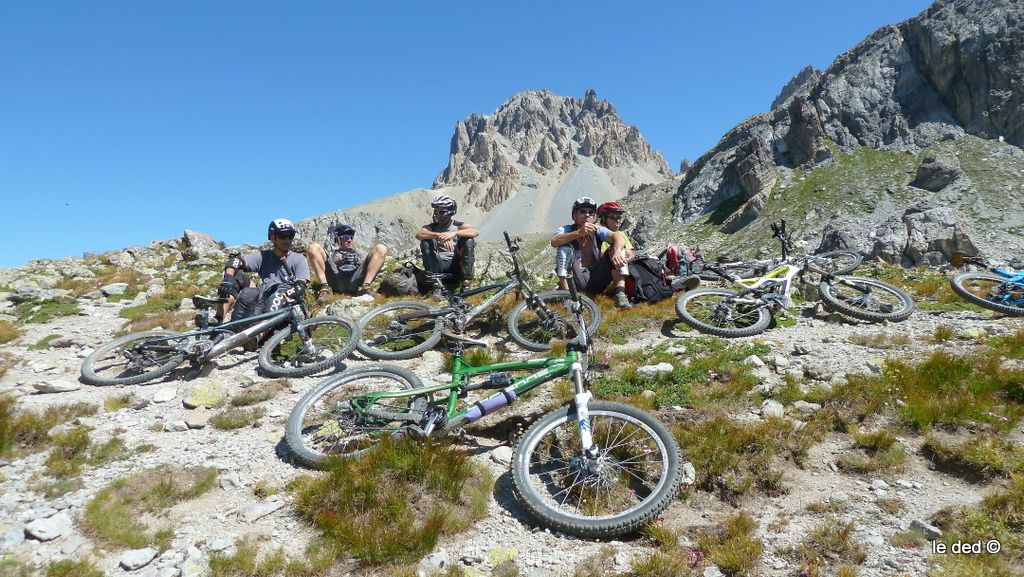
[301, 347]
[407, 329]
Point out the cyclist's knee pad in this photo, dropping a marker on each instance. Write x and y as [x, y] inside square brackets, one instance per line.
[245, 304]
[468, 246]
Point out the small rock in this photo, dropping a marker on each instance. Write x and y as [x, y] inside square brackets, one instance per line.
[260, 510]
[805, 408]
[12, 537]
[972, 333]
[176, 426]
[113, 289]
[502, 455]
[874, 540]
[801, 349]
[195, 565]
[165, 394]
[136, 558]
[436, 562]
[689, 474]
[651, 370]
[71, 544]
[648, 394]
[879, 485]
[197, 418]
[772, 408]
[780, 362]
[753, 360]
[230, 481]
[713, 571]
[218, 545]
[49, 528]
[57, 386]
[930, 531]
[676, 350]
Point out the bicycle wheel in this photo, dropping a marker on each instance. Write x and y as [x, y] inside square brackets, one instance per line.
[533, 333]
[839, 261]
[990, 291]
[386, 336]
[866, 299]
[324, 424]
[128, 360]
[331, 339]
[709, 311]
[634, 477]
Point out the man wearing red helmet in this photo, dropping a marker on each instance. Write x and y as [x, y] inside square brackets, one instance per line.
[579, 253]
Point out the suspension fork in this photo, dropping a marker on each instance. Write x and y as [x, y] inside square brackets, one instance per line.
[582, 400]
[296, 319]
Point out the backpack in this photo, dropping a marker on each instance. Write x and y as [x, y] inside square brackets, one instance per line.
[649, 280]
[401, 281]
[678, 259]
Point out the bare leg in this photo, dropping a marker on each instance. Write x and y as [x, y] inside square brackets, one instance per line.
[375, 262]
[317, 257]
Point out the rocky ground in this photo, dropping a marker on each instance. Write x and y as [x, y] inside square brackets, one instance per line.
[37, 530]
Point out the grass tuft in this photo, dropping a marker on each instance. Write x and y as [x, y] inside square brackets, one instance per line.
[42, 311]
[879, 451]
[980, 457]
[259, 393]
[235, 418]
[113, 515]
[8, 332]
[393, 504]
[23, 431]
[734, 548]
[830, 544]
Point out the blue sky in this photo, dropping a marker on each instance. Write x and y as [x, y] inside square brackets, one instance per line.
[122, 122]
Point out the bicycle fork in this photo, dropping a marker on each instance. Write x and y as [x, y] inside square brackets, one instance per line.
[582, 399]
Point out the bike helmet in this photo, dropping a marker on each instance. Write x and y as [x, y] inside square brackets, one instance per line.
[584, 201]
[343, 229]
[280, 226]
[446, 205]
[610, 208]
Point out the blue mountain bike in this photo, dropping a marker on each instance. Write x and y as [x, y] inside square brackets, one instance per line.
[999, 290]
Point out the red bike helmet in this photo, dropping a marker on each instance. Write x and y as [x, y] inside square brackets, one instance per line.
[610, 208]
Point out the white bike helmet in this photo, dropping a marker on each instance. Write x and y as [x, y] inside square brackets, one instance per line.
[280, 225]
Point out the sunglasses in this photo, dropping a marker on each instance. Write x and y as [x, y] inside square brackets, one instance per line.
[586, 212]
[346, 236]
[285, 235]
[615, 216]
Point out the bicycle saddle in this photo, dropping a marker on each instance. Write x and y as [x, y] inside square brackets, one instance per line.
[201, 302]
[466, 341]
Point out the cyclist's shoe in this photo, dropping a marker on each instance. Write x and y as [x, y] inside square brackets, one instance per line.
[323, 294]
[622, 301]
[365, 289]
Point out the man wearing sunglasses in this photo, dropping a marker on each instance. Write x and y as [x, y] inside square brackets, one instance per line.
[578, 252]
[283, 275]
[447, 244]
[347, 271]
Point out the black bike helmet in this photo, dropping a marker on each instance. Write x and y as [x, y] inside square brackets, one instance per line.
[280, 226]
[343, 229]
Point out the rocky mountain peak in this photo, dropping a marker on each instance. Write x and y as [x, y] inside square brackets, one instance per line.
[537, 133]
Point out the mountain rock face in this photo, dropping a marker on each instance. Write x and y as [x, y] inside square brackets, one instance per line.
[544, 134]
[518, 169]
[956, 69]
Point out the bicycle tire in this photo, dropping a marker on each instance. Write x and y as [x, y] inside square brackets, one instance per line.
[527, 330]
[283, 356]
[744, 323]
[866, 306]
[94, 364]
[638, 491]
[323, 416]
[407, 340]
[843, 261]
[961, 283]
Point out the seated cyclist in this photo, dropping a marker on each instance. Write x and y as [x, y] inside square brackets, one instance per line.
[283, 275]
[347, 271]
[447, 245]
[611, 215]
[578, 252]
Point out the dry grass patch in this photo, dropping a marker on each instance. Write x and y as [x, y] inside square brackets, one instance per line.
[709, 375]
[117, 402]
[943, 334]
[114, 515]
[734, 457]
[8, 332]
[980, 457]
[393, 504]
[260, 393]
[999, 517]
[236, 418]
[72, 568]
[622, 325]
[880, 340]
[878, 451]
[734, 548]
[74, 449]
[830, 545]
[24, 431]
[944, 390]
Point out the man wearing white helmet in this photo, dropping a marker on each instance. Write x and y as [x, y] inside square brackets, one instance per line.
[578, 253]
[283, 275]
[447, 244]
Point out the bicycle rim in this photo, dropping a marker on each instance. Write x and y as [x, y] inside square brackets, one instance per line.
[634, 477]
[128, 360]
[330, 340]
[708, 310]
[386, 335]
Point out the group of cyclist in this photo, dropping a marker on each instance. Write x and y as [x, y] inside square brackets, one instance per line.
[592, 249]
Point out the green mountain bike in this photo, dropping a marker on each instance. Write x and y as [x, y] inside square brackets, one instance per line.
[590, 468]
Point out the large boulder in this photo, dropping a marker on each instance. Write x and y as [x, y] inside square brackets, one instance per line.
[923, 234]
[936, 174]
[200, 244]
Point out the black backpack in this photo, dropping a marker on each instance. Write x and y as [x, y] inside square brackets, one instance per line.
[650, 280]
[402, 281]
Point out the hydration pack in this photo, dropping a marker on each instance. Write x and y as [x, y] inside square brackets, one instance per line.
[648, 280]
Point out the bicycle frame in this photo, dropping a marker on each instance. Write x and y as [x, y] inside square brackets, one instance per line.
[1012, 278]
[262, 322]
